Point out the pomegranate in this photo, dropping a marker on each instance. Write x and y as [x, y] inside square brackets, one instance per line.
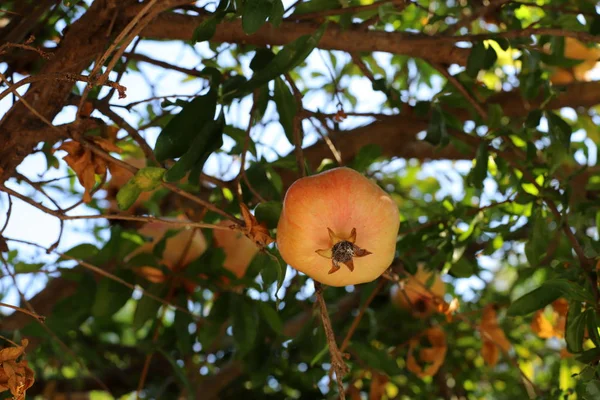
[338, 227]
[416, 296]
[239, 250]
[180, 249]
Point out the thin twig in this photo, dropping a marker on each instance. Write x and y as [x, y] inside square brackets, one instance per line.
[463, 90]
[108, 275]
[61, 76]
[8, 214]
[24, 311]
[337, 360]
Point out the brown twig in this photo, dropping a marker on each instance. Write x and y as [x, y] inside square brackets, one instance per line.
[463, 90]
[24, 311]
[122, 217]
[69, 77]
[337, 360]
[108, 275]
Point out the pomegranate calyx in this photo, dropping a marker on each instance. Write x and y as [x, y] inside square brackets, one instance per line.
[342, 251]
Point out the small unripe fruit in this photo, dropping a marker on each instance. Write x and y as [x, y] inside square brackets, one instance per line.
[119, 177]
[338, 227]
[416, 296]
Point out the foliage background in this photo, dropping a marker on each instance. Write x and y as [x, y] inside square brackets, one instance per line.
[476, 117]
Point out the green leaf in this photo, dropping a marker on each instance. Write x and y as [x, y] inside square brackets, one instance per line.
[128, 194]
[81, 251]
[319, 355]
[269, 213]
[112, 295]
[592, 388]
[437, 133]
[533, 301]
[286, 107]
[476, 59]
[490, 58]
[366, 156]
[149, 178]
[575, 329]
[480, 169]
[209, 139]
[245, 323]
[595, 26]
[262, 58]
[181, 324]
[289, 57]
[593, 323]
[559, 129]
[570, 290]
[180, 373]
[147, 307]
[255, 14]
[23, 267]
[206, 30]
[589, 356]
[271, 316]
[179, 134]
[537, 244]
[277, 13]
[377, 359]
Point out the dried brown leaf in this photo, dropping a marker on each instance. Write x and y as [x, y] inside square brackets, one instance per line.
[86, 164]
[256, 231]
[492, 335]
[378, 384]
[434, 355]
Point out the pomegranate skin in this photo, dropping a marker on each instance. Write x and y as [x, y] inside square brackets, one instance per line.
[339, 199]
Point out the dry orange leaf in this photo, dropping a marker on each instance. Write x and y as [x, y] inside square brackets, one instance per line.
[378, 384]
[434, 355]
[492, 336]
[555, 327]
[15, 376]
[446, 308]
[86, 164]
[256, 231]
[542, 326]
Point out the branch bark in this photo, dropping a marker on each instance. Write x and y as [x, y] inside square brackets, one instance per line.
[85, 39]
[396, 135]
[353, 39]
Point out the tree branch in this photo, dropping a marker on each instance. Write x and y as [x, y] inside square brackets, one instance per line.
[353, 39]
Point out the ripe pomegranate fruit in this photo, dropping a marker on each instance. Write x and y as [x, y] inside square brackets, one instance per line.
[180, 249]
[338, 227]
[415, 297]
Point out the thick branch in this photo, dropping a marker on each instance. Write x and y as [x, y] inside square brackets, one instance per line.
[354, 39]
[396, 135]
[85, 39]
